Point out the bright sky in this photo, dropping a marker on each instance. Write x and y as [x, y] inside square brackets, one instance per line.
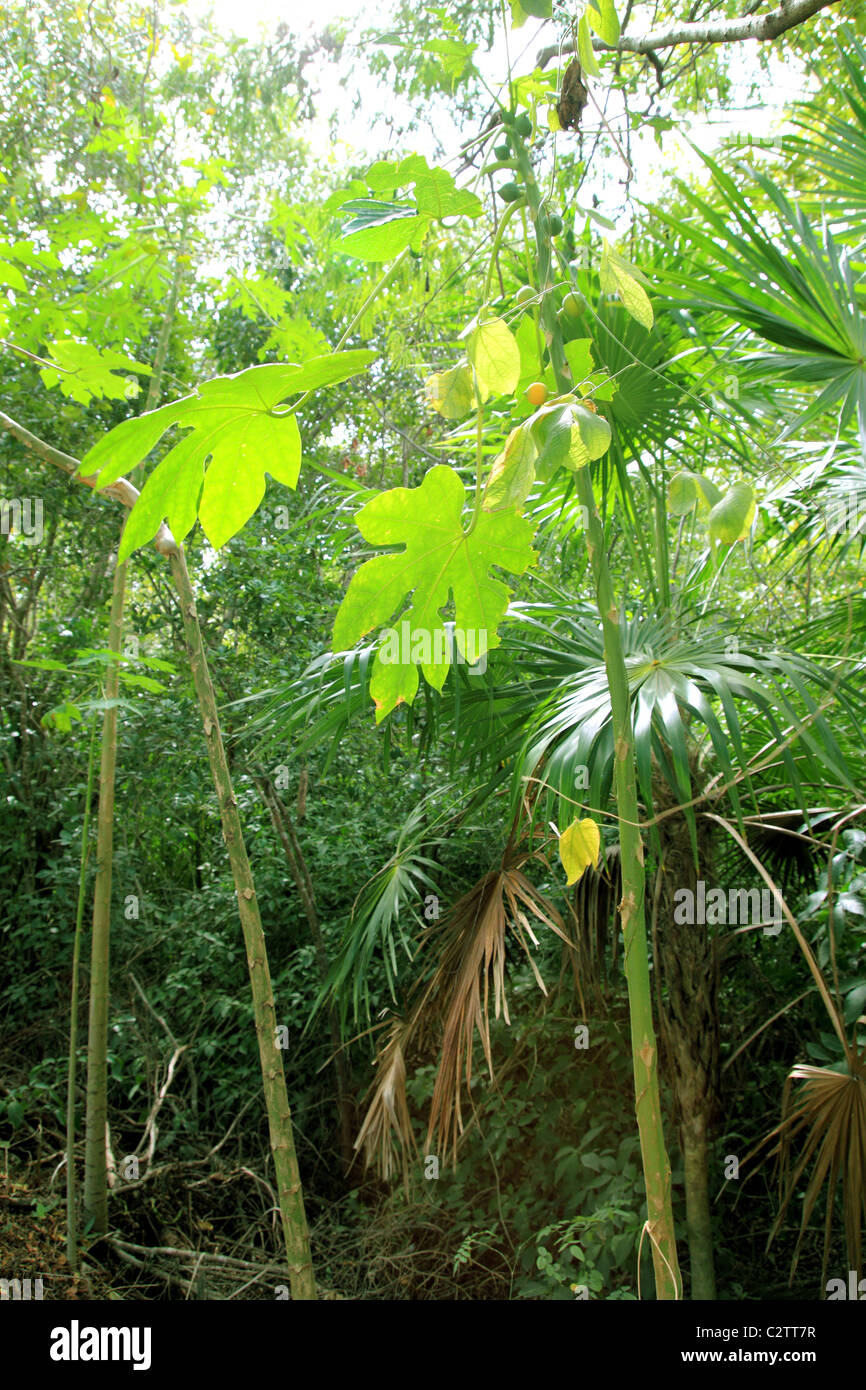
[245, 16]
[250, 17]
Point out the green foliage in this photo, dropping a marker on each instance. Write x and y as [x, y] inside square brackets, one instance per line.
[216, 472]
[440, 559]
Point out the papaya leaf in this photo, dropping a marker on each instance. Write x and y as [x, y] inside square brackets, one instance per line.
[378, 231]
[83, 372]
[732, 517]
[217, 471]
[495, 355]
[617, 277]
[439, 560]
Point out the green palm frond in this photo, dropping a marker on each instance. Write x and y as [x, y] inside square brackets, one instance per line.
[788, 285]
[679, 685]
[378, 922]
[834, 147]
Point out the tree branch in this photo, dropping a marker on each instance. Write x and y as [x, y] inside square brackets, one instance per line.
[122, 491]
[788, 15]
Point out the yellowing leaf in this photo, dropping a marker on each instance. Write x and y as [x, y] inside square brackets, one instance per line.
[512, 472]
[451, 393]
[579, 848]
[732, 517]
[616, 277]
[495, 356]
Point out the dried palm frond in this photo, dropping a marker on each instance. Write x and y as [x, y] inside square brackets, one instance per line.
[832, 1108]
[387, 1123]
[474, 953]
[471, 942]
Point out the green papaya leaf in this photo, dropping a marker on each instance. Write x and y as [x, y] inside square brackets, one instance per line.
[732, 517]
[495, 355]
[217, 471]
[439, 560]
[437, 196]
[379, 231]
[83, 372]
[391, 174]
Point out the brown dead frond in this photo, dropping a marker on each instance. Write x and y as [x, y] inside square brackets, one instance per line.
[387, 1123]
[471, 942]
[831, 1107]
[473, 956]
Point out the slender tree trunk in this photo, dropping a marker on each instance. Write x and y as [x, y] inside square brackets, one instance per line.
[95, 1167]
[71, 1183]
[656, 1164]
[696, 1162]
[291, 1198]
[95, 1143]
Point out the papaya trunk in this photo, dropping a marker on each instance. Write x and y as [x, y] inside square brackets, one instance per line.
[95, 1167]
[291, 1199]
[656, 1164]
[95, 1143]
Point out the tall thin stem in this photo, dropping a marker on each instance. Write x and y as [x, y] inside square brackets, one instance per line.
[656, 1164]
[71, 1183]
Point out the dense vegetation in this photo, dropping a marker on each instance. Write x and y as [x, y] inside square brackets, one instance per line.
[507, 683]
